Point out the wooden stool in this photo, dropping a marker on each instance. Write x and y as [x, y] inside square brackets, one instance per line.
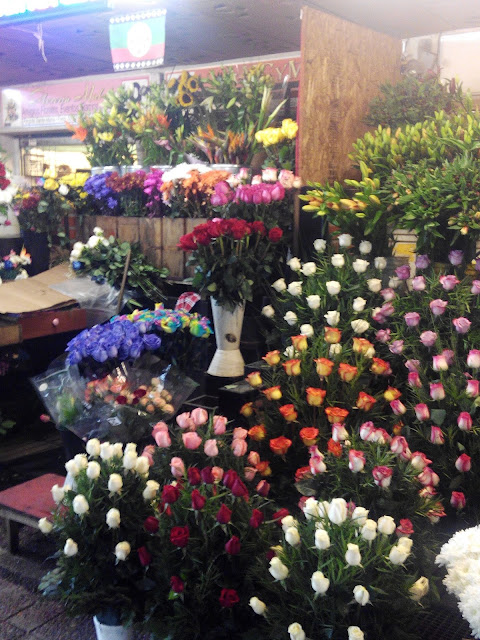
[26, 504]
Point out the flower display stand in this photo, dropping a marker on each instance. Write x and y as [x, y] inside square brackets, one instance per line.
[227, 361]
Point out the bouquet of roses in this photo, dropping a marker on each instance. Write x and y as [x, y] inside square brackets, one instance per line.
[11, 266]
[231, 257]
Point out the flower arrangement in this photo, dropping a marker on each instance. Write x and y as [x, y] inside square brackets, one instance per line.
[461, 557]
[99, 525]
[279, 144]
[188, 195]
[11, 266]
[43, 207]
[130, 193]
[103, 198]
[338, 573]
[159, 142]
[104, 260]
[74, 191]
[231, 256]
[7, 193]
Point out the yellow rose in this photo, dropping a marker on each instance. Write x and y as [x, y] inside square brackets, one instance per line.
[289, 128]
[259, 136]
[49, 173]
[50, 184]
[272, 136]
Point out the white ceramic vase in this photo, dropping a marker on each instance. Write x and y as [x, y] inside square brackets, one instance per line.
[227, 361]
[111, 632]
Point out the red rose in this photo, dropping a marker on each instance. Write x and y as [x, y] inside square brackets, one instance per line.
[301, 472]
[405, 528]
[224, 514]
[121, 400]
[151, 524]
[233, 546]
[206, 474]
[177, 584]
[238, 228]
[228, 598]
[214, 228]
[256, 519]
[259, 227]
[203, 238]
[229, 478]
[170, 493]
[187, 242]
[279, 515]
[198, 501]
[275, 234]
[144, 556]
[139, 393]
[194, 477]
[239, 490]
[179, 536]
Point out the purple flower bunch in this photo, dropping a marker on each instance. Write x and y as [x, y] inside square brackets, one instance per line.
[96, 187]
[152, 187]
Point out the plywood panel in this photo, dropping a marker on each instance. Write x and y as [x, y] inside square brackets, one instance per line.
[173, 257]
[107, 223]
[150, 230]
[128, 230]
[343, 65]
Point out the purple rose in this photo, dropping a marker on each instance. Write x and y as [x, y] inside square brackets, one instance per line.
[412, 319]
[428, 338]
[412, 365]
[403, 272]
[475, 287]
[462, 325]
[396, 347]
[422, 262]
[151, 341]
[456, 257]
[383, 335]
[438, 307]
[419, 283]
[448, 282]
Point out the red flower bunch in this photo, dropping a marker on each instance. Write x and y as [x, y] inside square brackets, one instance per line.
[127, 182]
[4, 182]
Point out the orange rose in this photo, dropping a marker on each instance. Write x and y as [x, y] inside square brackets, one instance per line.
[347, 372]
[336, 414]
[397, 428]
[332, 335]
[292, 367]
[335, 448]
[254, 379]
[379, 367]
[301, 473]
[300, 342]
[288, 412]
[361, 345]
[247, 409]
[324, 366]
[263, 468]
[273, 393]
[272, 357]
[364, 401]
[315, 397]
[309, 436]
[391, 394]
[280, 445]
[257, 432]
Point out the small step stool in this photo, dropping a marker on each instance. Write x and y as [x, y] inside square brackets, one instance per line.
[26, 503]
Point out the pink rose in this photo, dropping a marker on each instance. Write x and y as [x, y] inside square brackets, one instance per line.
[398, 407]
[396, 347]
[463, 463]
[177, 467]
[457, 500]
[403, 272]
[239, 447]
[339, 433]
[428, 477]
[199, 416]
[419, 283]
[216, 473]
[191, 440]
[249, 473]
[449, 356]
[464, 421]
[422, 261]
[160, 426]
[162, 438]
[462, 325]
[414, 379]
[428, 338]
[436, 435]
[388, 295]
[367, 431]
[219, 425]
[210, 448]
[286, 178]
[448, 282]
[475, 287]
[380, 436]
[412, 319]
[455, 257]
[422, 412]
[239, 433]
[148, 453]
[419, 460]
[473, 388]
[382, 476]
[263, 488]
[387, 310]
[473, 359]
[437, 307]
[185, 422]
[356, 460]
[437, 392]
[439, 363]
[399, 446]
[383, 335]
[253, 458]
[412, 365]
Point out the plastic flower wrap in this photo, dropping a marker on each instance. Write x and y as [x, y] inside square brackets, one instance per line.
[11, 266]
[339, 573]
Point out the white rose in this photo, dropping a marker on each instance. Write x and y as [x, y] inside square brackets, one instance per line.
[117, 449]
[97, 231]
[374, 284]
[122, 550]
[70, 548]
[360, 266]
[332, 318]
[320, 245]
[113, 518]
[93, 470]
[268, 311]
[115, 483]
[294, 264]
[287, 522]
[292, 536]
[131, 446]
[386, 525]
[80, 505]
[309, 268]
[72, 468]
[277, 569]
[306, 330]
[93, 447]
[359, 516]
[359, 304]
[345, 240]
[313, 301]
[106, 451]
[352, 555]
[93, 241]
[295, 288]
[337, 510]
[369, 530]
[419, 589]
[310, 508]
[45, 525]
[335, 349]
[130, 460]
[365, 247]
[57, 493]
[296, 631]
[63, 189]
[78, 246]
[81, 460]
[380, 263]
[398, 554]
[394, 282]
[322, 539]
[290, 318]
[359, 326]
[279, 285]
[361, 595]
[258, 606]
[405, 543]
[319, 582]
[333, 287]
[75, 253]
[355, 633]
[105, 242]
[338, 260]
[290, 352]
[150, 490]
[142, 465]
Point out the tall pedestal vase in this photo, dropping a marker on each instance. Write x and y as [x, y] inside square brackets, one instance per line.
[111, 632]
[227, 361]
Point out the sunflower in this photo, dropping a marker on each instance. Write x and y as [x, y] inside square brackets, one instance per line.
[185, 99]
[193, 84]
[172, 84]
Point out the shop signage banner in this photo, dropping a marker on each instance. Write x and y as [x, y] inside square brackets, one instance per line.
[53, 104]
[137, 41]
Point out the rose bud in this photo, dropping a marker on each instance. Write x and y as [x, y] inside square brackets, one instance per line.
[463, 463]
[464, 421]
[436, 435]
[458, 500]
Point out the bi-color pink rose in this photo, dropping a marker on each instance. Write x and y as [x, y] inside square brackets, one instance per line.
[463, 463]
[462, 325]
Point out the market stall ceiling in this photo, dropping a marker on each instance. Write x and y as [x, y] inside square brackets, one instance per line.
[202, 31]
